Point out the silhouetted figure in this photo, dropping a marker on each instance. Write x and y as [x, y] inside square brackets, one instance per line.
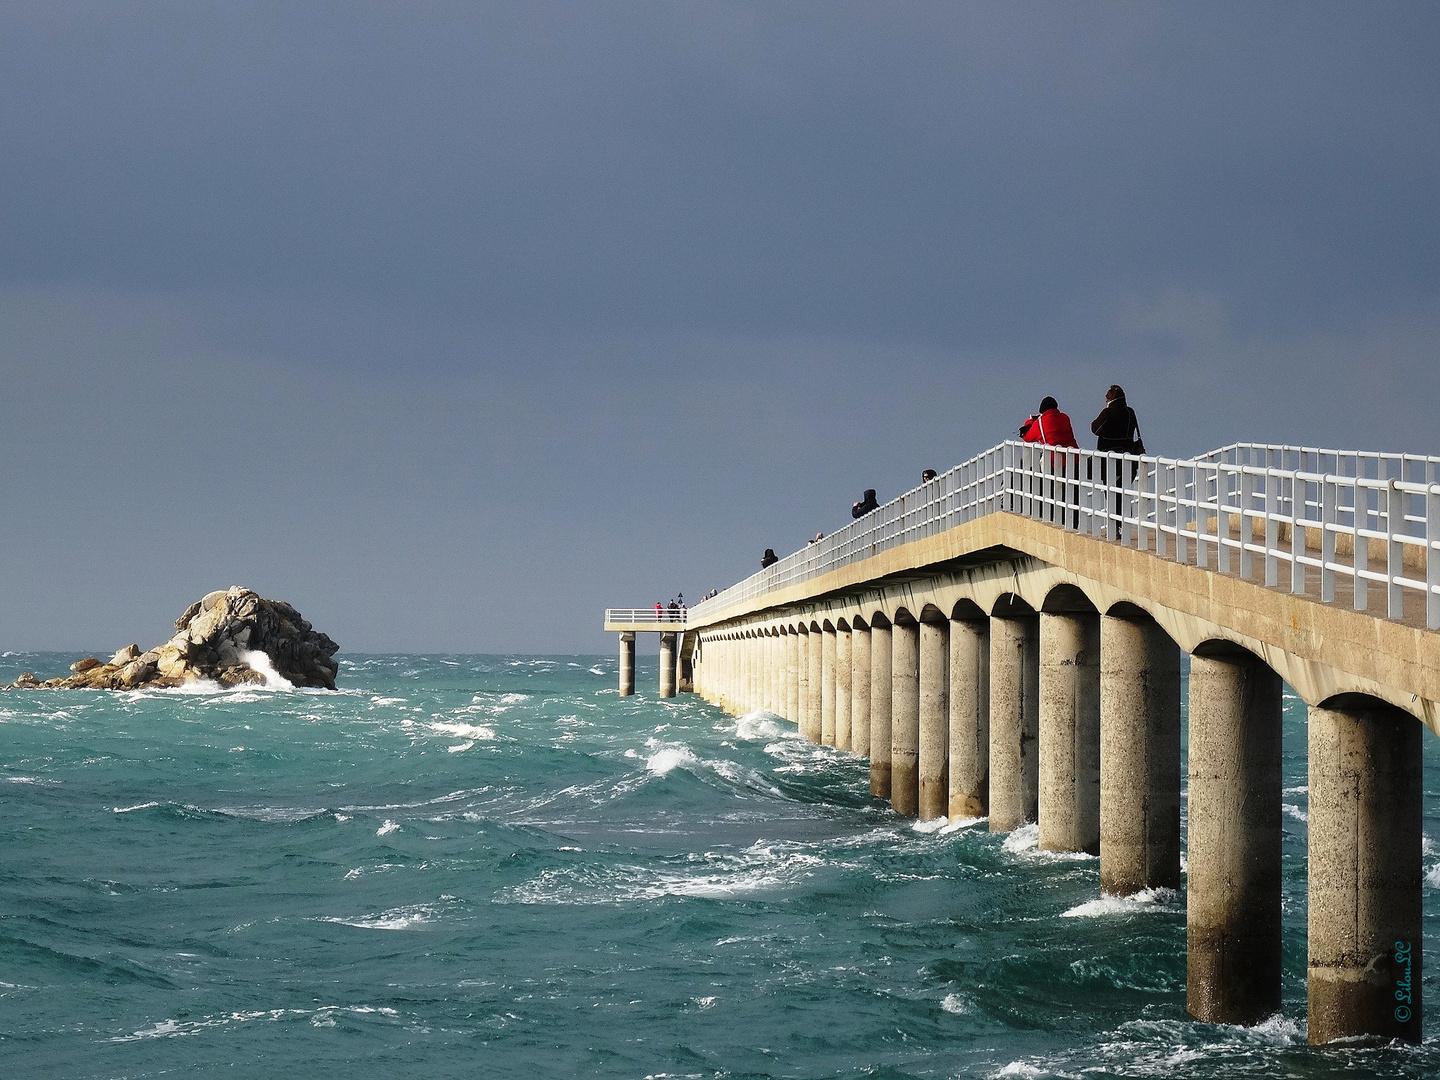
[864, 506]
[1116, 428]
[927, 476]
[768, 559]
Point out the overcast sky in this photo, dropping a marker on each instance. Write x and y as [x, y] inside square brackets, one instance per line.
[454, 323]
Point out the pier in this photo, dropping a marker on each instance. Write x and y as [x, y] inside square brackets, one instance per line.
[1006, 641]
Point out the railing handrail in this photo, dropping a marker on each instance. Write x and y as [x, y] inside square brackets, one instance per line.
[1171, 505]
[664, 616]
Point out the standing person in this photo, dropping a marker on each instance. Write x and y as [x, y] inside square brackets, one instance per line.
[927, 476]
[659, 611]
[866, 504]
[768, 559]
[1117, 430]
[1052, 427]
[1116, 427]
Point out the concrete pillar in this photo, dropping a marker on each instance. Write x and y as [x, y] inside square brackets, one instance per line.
[969, 719]
[667, 665]
[812, 701]
[842, 689]
[1366, 875]
[905, 719]
[881, 703]
[827, 687]
[792, 677]
[1139, 756]
[1014, 721]
[802, 682]
[860, 691]
[933, 745]
[1069, 725]
[1232, 887]
[627, 663]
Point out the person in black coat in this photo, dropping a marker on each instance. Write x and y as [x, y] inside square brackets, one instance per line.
[865, 505]
[768, 559]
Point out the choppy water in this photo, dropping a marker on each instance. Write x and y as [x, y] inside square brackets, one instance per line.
[487, 866]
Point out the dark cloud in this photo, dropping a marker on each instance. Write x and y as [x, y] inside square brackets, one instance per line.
[471, 298]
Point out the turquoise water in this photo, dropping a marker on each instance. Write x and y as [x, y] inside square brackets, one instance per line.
[492, 866]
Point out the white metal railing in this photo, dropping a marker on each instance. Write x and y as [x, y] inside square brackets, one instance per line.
[650, 615]
[1364, 518]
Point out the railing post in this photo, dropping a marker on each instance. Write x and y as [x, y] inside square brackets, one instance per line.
[1395, 550]
[1432, 552]
[1297, 536]
[1247, 496]
[1328, 492]
[1272, 527]
[1361, 552]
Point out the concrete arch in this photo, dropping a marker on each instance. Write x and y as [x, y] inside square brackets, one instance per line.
[879, 621]
[858, 623]
[828, 627]
[842, 626]
[904, 618]
[932, 615]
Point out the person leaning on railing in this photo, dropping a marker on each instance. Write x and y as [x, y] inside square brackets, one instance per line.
[865, 505]
[1052, 427]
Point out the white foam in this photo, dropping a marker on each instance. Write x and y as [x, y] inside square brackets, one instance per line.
[1025, 838]
[137, 806]
[663, 761]
[402, 918]
[1145, 900]
[387, 828]
[260, 661]
[954, 1003]
[1020, 1068]
[477, 732]
[934, 825]
[753, 726]
[1433, 877]
[460, 748]
[1296, 813]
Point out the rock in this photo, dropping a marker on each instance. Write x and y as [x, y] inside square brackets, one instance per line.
[212, 640]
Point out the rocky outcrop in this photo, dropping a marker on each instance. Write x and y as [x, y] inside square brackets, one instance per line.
[217, 638]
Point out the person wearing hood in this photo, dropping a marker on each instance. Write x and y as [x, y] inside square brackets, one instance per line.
[1049, 426]
[768, 559]
[865, 505]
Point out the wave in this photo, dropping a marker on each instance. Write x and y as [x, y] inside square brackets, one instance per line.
[1156, 899]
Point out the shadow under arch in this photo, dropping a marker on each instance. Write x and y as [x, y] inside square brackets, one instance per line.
[1010, 606]
[967, 610]
[933, 615]
[842, 627]
[827, 627]
[858, 623]
[1068, 600]
[879, 621]
[904, 618]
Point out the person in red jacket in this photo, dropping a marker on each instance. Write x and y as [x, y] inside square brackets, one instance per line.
[1052, 427]
[1049, 426]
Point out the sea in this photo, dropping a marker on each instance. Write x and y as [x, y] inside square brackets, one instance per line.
[494, 866]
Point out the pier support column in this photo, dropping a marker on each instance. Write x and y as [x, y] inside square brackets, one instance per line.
[1366, 874]
[667, 665]
[814, 664]
[1139, 755]
[842, 689]
[827, 686]
[1232, 888]
[802, 681]
[1070, 731]
[792, 676]
[934, 741]
[969, 719]
[627, 663]
[1014, 720]
[881, 705]
[905, 719]
[860, 690]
